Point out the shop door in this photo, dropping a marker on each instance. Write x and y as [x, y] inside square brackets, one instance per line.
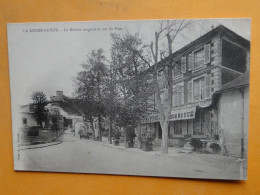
[159, 131]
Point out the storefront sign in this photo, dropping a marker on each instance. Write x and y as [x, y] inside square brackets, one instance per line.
[183, 114]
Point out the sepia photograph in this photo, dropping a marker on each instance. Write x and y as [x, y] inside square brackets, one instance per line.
[161, 98]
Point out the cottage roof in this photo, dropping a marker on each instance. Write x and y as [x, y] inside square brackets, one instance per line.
[68, 107]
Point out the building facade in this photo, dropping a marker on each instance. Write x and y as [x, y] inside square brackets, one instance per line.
[232, 103]
[27, 118]
[200, 69]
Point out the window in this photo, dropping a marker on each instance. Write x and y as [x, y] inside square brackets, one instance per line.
[161, 78]
[177, 69]
[199, 89]
[198, 123]
[162, 95]
[151, 102]
[178, 127]
[160, 74]
[178, 95]
[25, 121]
[199, 58]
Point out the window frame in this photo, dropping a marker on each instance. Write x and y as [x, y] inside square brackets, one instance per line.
[163, 77]
[194, 59]
[181, 73]
[196, 78]
[178, 85]
[179, 124]
[25, 121]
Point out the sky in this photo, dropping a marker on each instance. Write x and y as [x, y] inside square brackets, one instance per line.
[48, 61]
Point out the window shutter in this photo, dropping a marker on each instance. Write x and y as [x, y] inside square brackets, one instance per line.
[207, 54]
[207, 86]
[182, 95]
[183, 64]
[189, 87]
[166, 94]
[174, 96]
[162, 96]
[191, 61]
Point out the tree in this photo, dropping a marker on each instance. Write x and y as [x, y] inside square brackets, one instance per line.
[170, 31]
[90, 86]
[56, 120]
[40, 101]
[129, 60]
[111, 100]
[85, 97]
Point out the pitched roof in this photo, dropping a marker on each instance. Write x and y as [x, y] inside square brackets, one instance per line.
[210, 34]
[219, 29]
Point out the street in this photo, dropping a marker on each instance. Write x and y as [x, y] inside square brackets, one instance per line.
[87, 156]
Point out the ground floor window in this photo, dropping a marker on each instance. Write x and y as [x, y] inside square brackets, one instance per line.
[177, 127]
[159, 131]
[25, 121]
[198, 123]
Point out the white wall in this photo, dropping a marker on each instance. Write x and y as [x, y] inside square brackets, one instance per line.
[30, 120]
[230, 114]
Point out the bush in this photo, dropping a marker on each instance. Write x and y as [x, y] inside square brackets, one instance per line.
[105, 133]
[116, 134]
[33, 131]
[196, 143]
[130, 135]
[215, 147]
[147, 137]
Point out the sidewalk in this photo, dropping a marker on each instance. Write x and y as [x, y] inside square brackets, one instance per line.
[39, 145]
[174, 152]
[51, 142]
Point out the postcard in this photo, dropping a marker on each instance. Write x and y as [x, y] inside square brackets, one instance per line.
[164, 98]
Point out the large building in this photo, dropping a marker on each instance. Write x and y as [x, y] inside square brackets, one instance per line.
[202, 68]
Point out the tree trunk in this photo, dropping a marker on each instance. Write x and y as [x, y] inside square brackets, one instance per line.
[110, 131]
[164, 146]
[99, 127]
[92, 128]
[139, 135]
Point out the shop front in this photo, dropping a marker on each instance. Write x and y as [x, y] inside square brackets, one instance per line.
[191, 122]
